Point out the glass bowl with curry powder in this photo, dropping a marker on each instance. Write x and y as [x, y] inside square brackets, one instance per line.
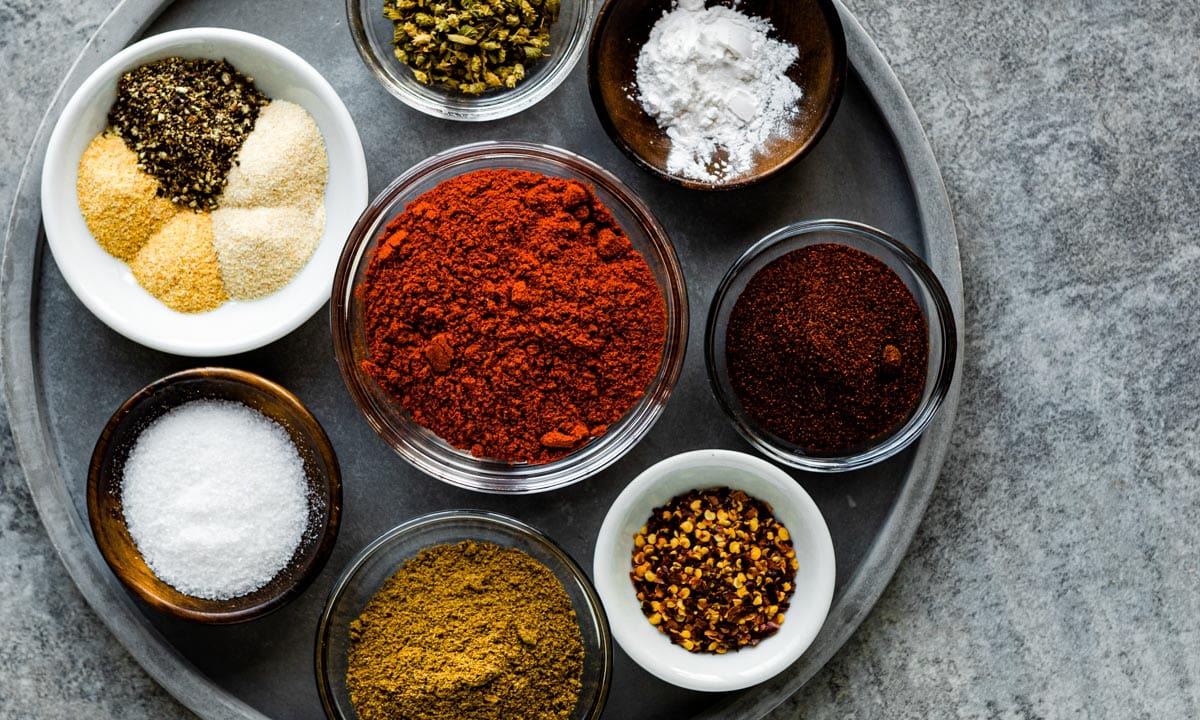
[461, 614]
[830, 345]
[509, 317]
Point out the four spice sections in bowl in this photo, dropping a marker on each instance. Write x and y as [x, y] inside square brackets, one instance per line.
[209, 190]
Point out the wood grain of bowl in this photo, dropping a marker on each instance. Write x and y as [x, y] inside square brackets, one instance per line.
[622, 28]
[118, 438]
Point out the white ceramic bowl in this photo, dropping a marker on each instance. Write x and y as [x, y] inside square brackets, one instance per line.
[106, 285]
[792, 507]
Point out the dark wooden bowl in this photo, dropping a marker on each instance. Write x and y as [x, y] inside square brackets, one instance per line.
[622, 28]
[117, 440]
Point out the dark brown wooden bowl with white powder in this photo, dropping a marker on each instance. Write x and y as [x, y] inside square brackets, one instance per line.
[224, 460]
[719, 97]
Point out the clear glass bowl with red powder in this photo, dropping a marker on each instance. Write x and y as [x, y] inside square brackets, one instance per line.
[421, 446]
[753, 417]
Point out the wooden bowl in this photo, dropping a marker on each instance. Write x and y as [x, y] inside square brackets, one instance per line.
[117, 441]
[623, 27]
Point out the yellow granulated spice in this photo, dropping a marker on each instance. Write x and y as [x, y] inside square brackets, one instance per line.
[470, 631]
[117, 199]
[179, 266]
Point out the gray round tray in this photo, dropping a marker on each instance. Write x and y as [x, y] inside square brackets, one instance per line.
[65, 372]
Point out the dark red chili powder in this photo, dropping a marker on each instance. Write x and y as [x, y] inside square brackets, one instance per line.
[827, 348]
[507, 312]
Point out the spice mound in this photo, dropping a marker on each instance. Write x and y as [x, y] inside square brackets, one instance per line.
[186, 119]
[470, 46]
[827, 349]
[215, 498]
[717, 84]
[508, 313]
[471, 630]
[207, 189]
[714, 570]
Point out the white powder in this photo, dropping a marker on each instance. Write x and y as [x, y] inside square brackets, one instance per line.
[260, 249]
[272, 212]
[215, 498]
[715, 82]
[281, 162]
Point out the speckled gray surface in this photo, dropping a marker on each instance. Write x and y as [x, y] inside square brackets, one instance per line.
[1056, 572]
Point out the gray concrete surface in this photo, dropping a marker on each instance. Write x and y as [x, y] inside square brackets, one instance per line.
[1057, 572]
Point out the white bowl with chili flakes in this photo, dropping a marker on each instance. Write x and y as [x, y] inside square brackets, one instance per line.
[667, 658]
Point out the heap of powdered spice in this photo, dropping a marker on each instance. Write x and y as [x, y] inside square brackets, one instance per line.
[716, 82]
[827, 348]
[508, 313]
[468, 631]
[186, 120]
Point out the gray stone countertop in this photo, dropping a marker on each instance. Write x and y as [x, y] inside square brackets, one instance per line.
[1057, 571]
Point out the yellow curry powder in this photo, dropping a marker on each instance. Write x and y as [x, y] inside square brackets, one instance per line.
[471, 630]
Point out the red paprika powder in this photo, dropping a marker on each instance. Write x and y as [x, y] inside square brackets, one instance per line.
[508, 313]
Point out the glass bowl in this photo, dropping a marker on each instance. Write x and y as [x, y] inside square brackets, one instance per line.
[423, 448]
[379, 560]
[372, 34]
[916, 275]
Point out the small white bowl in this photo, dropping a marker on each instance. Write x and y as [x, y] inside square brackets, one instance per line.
[792, 507]
[106, 285]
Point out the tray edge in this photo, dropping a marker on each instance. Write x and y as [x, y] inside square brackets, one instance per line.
[177, 675]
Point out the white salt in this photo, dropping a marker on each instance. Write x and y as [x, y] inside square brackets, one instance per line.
[215, 498]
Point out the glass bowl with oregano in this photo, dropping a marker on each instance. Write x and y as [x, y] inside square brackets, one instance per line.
[458, 615]
[470, 60]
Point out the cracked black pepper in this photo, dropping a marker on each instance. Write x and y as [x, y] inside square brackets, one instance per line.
[186, 120]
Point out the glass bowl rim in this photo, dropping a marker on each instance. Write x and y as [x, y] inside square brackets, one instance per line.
[911, 429]
[488, 475]
[487, 106]
[450, 518]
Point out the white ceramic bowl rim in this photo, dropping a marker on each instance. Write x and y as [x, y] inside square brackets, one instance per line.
[105, 285]
[792, 506]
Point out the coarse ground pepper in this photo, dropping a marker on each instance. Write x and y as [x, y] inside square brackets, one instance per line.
[827, 348]
[186, 120]
[508, 313]
[714, 570]
[467, 631]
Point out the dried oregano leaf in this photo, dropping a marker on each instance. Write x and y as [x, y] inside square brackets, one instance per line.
[470, 45]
